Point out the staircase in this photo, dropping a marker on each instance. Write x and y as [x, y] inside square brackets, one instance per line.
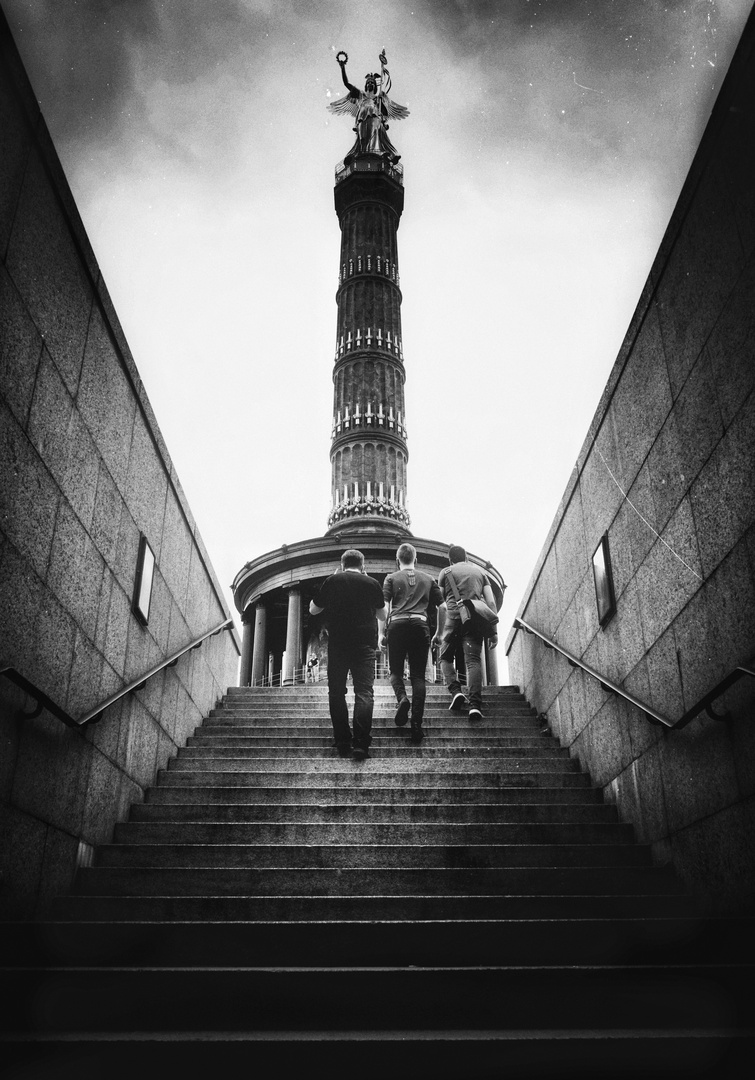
[466, 908]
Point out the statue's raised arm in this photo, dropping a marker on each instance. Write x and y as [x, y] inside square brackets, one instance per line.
[372, 108]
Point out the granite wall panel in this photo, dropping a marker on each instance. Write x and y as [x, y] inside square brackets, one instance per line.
[175, 551]
[741, 726]
[570, 550]
[20, 350]
[106, 514]
[676, 428]
[641, 403]
[731, 347]
[15, 147]
[45, 266]
[146, 487]
[631, 536]
[664, 674]
[106, 400]
[29, 496]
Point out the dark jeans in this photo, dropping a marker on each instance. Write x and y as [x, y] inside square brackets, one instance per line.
[360, 661]
[472, 645]
[409, 639]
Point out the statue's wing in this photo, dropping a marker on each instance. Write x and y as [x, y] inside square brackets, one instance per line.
[348, 105]
[393, 110]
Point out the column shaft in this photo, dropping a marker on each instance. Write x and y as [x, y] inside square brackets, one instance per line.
[245, 668]
[491, 659]
[292, 658]
[259, 652]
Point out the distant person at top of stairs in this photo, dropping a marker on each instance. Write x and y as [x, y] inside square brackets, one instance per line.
[353, 603]
[411, 596]
[472, 584]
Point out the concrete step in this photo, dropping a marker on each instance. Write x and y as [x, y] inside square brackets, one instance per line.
[379, 880]
[414, 857]
[488, 814]
[462, 943]
[376, 774]
[573, 789]
[304, 735]
[382, 688]
[401, 1054]
[402, 763]
[382, 749]
[366, 832]
[342, 909]
[382, 709]
[315, 726]
[179, 999]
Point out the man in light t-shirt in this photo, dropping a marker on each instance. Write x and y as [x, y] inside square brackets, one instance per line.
[411, 595]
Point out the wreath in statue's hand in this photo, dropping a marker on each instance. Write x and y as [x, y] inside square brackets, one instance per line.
[342, 57]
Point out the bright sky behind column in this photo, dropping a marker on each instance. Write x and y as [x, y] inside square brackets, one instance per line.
[546, 147]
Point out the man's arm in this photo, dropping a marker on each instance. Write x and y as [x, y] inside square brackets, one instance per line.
[382, 640]
[381, 615]
[441, 623]
[316, 608]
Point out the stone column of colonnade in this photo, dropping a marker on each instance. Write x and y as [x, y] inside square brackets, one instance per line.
[247, 638]
[491, 665]
[292, 655]
[259, 648]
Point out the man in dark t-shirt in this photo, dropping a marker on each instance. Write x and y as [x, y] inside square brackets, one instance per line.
[352, 602]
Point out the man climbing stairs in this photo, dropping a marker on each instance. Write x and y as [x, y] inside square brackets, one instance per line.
[471, 903]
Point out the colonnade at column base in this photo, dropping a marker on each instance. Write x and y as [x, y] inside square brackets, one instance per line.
[283, 645]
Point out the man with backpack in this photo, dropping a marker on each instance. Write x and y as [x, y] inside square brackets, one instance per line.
[459, 582]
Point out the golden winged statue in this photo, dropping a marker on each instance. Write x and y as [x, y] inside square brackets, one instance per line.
[372, 109]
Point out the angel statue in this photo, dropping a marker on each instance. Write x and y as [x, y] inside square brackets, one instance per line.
[372, 108]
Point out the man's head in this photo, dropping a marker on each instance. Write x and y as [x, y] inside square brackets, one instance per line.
[352, 560]
[456, 554]
[406, 555]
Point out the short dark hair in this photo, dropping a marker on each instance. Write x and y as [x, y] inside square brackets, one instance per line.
[407, 553]
[352, 558]
[456, 554]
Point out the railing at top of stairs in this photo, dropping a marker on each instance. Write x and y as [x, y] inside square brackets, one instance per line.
[94, 715]
[654, 717]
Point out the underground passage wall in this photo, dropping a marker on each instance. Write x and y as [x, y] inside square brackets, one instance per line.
[666, 474]
[85, 480]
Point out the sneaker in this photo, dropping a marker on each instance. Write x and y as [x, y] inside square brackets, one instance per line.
[343, 749]
[458, 701]
[475, 713]
[402, 712]
[417, 734]
[359, 753]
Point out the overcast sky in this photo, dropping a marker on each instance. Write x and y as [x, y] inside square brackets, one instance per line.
[546, 147]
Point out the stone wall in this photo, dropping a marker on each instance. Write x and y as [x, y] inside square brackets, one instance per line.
[668, 473]
[84, 474]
